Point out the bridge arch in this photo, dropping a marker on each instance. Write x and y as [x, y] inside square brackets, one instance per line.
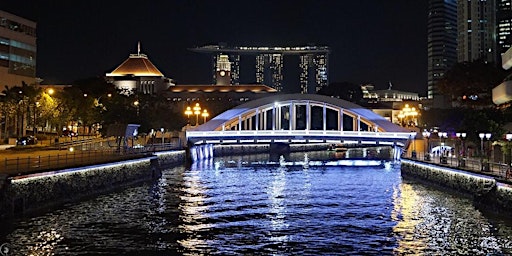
[299, 112]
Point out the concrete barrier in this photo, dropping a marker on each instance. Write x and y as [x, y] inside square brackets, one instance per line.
[485, 190]
[25, 194]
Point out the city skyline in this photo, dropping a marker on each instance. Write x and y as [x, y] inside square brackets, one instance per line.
[371, 41]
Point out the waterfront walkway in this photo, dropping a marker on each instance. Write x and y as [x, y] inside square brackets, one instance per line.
[47, 156]
[500, 171]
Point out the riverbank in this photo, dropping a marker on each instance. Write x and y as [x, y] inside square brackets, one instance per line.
[33, 192]
[484, 190]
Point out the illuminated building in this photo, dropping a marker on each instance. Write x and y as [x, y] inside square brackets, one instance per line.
[17, 50]
[441, 41]
[138, 74]
[269, 70]
[504, 26]
[314, 64]
[476, 30]
[223, 71]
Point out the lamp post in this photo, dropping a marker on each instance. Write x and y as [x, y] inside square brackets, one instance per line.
[461, 136]
[508, 136]
[162, 130]
[188, 112]
[442, 157]
[426, 134]
[205, 114]
[485, 167]
[136, 103]
[481, 135]
[197, 112]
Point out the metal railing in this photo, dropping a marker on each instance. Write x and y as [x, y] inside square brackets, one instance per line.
[52, 159]
[500, 171]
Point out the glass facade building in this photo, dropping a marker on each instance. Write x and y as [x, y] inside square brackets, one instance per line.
[18, 50]
[441, 41]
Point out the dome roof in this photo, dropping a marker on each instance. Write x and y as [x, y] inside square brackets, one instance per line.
[137, 65]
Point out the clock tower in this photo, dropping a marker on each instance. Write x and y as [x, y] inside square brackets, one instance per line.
[223, 72]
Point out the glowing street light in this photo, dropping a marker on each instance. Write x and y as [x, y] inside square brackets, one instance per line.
[197, 112]
[426, 134]
[205, 114]
[407, 112]
[188, 112]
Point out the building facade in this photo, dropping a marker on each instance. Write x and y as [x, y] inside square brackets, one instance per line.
[504, 26]
[441, 41]
[477, 30]
[138, 74]
[18, 50]
[313, 66]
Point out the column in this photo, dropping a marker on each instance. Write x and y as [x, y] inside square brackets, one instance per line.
[308, 116]
[324, 119]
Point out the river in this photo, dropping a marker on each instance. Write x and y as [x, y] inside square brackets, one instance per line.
[236, 208]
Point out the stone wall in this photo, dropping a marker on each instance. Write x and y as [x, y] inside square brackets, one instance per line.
[29, 193]
[484, 189]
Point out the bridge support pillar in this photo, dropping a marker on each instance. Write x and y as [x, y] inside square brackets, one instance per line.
[279, 148]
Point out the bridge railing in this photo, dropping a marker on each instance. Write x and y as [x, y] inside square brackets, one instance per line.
[276, 133]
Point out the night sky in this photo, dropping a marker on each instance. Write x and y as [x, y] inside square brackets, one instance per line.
[371, 41]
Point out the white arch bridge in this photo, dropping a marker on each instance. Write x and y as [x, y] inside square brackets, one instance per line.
[299, 118]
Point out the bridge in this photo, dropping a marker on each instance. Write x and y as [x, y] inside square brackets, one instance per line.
[299, 118]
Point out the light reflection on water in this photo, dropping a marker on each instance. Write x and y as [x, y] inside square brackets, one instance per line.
[262, 210]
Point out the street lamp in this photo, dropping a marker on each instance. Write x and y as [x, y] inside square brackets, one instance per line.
[162, 130]
[197, 112]
[188, 112]
[508, 136]
[443, 136]
[426, 134]
[136, 103]
[407, 112]
[461, 136]
[205, 114]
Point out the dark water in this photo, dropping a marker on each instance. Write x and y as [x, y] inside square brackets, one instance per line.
[244, 210]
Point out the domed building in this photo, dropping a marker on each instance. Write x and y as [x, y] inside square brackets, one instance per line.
[138, 74]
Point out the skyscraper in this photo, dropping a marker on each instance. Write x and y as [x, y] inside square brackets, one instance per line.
[441, 41]
[477, 30]
[313, 67]
[17, 50]
[504, 26]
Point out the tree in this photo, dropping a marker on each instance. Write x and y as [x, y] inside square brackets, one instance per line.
[471, 83]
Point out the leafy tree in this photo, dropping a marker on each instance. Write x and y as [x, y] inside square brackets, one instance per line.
[471, 83]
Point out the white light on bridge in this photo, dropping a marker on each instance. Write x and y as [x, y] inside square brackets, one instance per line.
[229, 141]
[299, 141]
[246, 141]
[263, 141]
[281, 140]
[212, 141]
[350, 142]
[369, 142]
[316, 141]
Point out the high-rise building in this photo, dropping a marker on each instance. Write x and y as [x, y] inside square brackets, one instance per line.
[269, 70]
[504, 26]
[313, 67]
[17, 50]
[441, 41]
[476, 30]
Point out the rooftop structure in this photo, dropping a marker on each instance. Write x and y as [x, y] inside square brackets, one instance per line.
[314, 64]
[138, 74]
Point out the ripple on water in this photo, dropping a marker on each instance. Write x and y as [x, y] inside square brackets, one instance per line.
[266, 211]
